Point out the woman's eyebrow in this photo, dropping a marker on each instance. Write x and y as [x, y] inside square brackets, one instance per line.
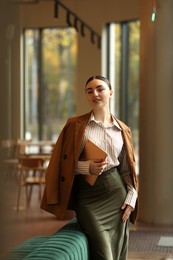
[95, 87]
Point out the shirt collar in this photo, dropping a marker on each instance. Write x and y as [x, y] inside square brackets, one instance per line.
[115, 123]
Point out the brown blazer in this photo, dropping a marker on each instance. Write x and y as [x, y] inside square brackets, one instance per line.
[61, 170]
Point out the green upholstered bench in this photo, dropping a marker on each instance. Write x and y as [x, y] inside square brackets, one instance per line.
[68, 243]
[24, 249]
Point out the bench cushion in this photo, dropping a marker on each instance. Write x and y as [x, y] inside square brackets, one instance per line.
[26, 248]
[68, 243]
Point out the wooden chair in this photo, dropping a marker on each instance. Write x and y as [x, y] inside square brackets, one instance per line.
[9, 152]
[31, 172]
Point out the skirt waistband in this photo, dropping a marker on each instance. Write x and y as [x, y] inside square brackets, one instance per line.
[110, 170]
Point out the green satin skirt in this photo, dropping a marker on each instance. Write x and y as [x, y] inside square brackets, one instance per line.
[98, 211]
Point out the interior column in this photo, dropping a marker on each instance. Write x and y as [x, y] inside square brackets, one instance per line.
[156, 113]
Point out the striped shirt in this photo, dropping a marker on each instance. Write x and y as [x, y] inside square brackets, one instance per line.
[109, 138]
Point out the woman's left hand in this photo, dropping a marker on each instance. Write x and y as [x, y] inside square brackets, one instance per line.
[127, 211]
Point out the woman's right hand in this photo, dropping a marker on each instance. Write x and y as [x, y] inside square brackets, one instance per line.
[97, 167]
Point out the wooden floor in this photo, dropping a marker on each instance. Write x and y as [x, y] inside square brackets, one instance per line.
[17, 227]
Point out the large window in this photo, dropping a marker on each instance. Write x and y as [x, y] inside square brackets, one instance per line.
[50, 57]
[121, 54]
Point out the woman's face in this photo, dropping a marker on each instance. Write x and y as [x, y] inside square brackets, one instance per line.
[98, 94]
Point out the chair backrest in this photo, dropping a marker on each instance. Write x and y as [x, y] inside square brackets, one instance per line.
[9, 148]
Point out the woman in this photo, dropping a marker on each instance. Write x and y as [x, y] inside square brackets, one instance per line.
[102, 209]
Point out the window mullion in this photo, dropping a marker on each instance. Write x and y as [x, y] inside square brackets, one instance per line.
[40, 86]
[124, 73]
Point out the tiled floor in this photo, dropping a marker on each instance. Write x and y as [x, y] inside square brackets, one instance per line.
[17, 227]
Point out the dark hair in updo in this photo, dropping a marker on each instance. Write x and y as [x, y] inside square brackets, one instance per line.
[100, 78]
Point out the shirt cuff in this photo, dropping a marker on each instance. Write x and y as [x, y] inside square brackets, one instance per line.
[131, 197]
[83, 167]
